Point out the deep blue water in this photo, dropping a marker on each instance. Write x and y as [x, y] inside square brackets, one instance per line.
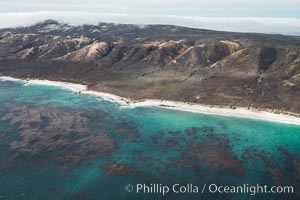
[55, 144]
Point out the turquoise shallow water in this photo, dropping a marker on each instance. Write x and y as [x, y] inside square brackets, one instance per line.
[55, 144]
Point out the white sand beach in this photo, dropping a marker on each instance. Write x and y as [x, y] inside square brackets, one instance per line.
[107, 96]
[7, 78]
[212, 110]
[70, 86]
[182, 106]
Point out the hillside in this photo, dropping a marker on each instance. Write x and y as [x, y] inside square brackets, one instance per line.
[160, 61]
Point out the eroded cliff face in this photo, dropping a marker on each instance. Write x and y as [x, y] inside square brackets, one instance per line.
[156, 61]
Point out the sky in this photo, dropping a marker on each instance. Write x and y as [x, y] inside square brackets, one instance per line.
[267, 16]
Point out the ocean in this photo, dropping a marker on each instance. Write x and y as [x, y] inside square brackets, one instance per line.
[56, 144]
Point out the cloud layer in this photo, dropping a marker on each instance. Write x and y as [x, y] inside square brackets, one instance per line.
[215, 8]
[259, 25]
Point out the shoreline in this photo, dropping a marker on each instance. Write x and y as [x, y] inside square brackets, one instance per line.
[182, 106]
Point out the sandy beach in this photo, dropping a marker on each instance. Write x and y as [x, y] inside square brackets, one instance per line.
[238, 112]
[108, 96]
[7, 78]
[70, 86]
[189, 107]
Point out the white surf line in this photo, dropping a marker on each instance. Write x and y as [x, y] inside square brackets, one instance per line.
[198, 108]
[7, 78]
[66, 85]
[70, 86]
[107, 96]
[238, 112]
[182, 106]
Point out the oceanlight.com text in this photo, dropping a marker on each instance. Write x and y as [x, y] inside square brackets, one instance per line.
[208, 188]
